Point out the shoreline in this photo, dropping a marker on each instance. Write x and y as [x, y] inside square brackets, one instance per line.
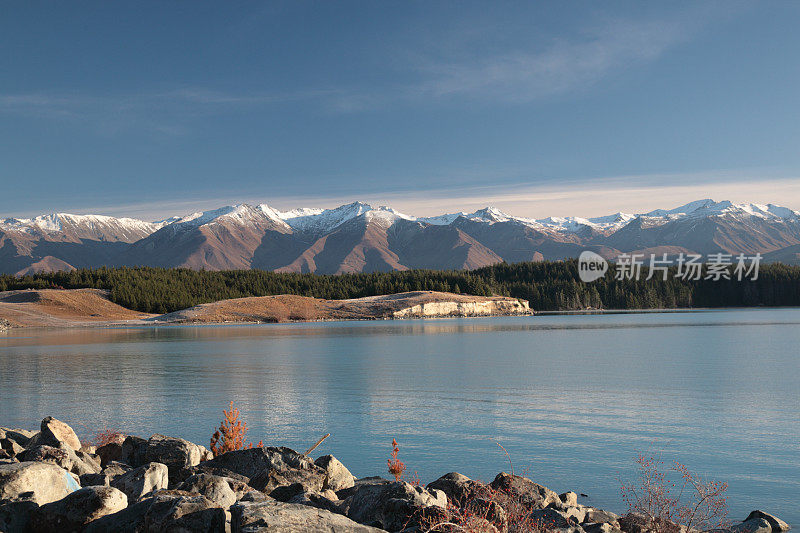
[51, 481]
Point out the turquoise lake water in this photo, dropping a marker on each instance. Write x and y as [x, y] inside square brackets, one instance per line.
[572, 398]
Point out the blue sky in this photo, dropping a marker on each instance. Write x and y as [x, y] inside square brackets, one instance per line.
[552, 108]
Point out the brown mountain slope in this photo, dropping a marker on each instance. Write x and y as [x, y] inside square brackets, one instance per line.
[288, 307]
[52, 307]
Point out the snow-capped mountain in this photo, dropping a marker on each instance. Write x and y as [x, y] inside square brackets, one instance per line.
[360, 237]
[97, 227]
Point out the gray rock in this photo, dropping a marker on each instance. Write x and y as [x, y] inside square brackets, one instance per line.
[570, 499]
[776, 523]
[393, 505]
[166, 510]
[600, 527]
[65, 457]
[268, 469]
[109, 452]
[177, 454]
[43, 482]
[337, 476]
[91, 461]
[600, 516]
[523, 490]
[54, 433]
[15, 515]
[459, 488]
[142, 481]
[133, 451]
[128, 520]
[279, 517]
[321, 500]
[576, 513]
[11, 447]
[114, 469]
[754, 525]
[77, 509]
[216, 489]
[175, 510]
[20, 436]
[95, 480]
[639, 523]
[553, 519]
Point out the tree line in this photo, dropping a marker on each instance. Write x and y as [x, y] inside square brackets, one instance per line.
[547, 285]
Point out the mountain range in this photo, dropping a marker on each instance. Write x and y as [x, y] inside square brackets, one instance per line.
[360, 238]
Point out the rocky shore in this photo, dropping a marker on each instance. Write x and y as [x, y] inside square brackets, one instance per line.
[51, 482]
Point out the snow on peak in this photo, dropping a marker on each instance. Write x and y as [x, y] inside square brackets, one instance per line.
[323, 220]
[708, 207]
[95, 226]
[489, 214]
[241, 214]
[442, 220]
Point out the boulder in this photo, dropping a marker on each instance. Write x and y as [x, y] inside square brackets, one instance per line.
[128, 520]
[267, 469]
[279, 517]
[337, 476]
[11, 447]
[56, 433]
[576, 513]
[208, 468]
[175, 510]
[142, 481]
[109, 452]
[776, 523]
[133, 451]
[459, 488]
[593, 515]
[20, 436]
[166, 510]
[753, 525]
[114, 469]
[77, 509]
[321, 500]
[600, 527]
[393, 505]
[65, 457]
[569, 499]
[15, 515]
[216, 489]
[549, 519]
[523, 491]
[639, 523]
[94, 480]
[44, 482]
[176, 453]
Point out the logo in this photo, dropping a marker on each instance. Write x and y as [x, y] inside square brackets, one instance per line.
[591, 266]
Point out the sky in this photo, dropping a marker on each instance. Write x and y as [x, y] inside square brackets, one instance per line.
[153, 109]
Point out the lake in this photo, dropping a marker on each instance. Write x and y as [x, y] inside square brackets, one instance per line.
[572, 398]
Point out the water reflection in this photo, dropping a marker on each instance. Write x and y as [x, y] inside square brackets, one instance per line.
[572, 397]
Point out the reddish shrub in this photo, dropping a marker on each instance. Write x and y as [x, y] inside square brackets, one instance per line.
[396, 466]
[231, 434]
[107, 436]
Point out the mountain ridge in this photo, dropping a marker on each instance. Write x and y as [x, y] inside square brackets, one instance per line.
[358, 237]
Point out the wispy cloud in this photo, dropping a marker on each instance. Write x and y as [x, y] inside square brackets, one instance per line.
[166, 112]
[497, 74]
[559, 66]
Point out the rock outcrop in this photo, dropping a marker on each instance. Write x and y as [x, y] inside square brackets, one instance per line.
[493, 307]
